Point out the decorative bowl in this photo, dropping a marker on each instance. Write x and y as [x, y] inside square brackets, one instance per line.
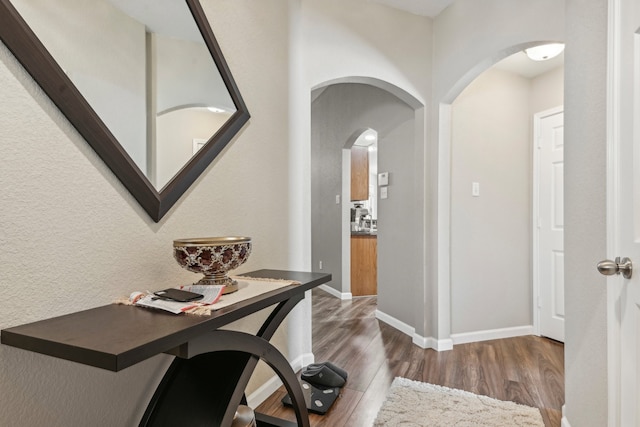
[214, 257]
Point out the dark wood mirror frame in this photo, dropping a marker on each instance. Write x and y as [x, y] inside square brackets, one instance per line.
[16, 34]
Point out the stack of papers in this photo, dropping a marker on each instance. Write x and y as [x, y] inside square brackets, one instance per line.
[211, 294]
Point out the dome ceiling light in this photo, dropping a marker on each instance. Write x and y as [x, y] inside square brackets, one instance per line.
[545, 51]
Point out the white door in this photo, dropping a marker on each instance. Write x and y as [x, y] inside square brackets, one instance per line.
[549, 227]
[623, 227]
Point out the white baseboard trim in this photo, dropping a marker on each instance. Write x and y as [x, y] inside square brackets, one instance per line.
[564, 422]
[342, 295]
[392, 321]
[447, 344]
[430, 342]
[492, 334]
[420, 341]
[268, 388]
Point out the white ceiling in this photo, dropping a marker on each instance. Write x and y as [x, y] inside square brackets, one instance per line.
[519, 63]
[431, 8]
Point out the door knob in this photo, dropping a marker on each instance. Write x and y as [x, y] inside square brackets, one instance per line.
[609, 268]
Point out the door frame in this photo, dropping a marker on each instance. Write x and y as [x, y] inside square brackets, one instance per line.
[535, 262]
[614, 283]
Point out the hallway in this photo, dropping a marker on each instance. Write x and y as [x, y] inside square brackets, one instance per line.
[527, 370]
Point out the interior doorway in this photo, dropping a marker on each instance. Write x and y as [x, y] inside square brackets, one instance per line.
[548, 224]
[363, 197]
[340, 113]
[493, 205]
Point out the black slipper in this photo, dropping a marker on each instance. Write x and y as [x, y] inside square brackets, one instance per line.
[331, 366]
[322, 375]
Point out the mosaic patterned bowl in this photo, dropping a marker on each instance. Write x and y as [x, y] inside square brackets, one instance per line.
[214, 257]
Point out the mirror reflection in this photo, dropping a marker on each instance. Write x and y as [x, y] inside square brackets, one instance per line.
[144, 68]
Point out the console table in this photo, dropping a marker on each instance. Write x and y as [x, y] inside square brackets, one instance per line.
[206, 381]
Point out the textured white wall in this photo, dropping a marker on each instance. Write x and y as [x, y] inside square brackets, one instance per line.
[360, 38]
[73, 238]
[585, 213]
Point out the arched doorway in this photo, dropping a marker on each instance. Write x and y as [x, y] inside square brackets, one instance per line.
[447, 303]
[339, 111]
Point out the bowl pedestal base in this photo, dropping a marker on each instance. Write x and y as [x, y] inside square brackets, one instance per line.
[220, 280]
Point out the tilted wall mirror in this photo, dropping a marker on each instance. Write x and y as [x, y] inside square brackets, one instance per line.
[143, 81]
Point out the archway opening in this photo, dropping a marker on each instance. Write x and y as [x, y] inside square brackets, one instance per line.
[340, 113]
[487, 123]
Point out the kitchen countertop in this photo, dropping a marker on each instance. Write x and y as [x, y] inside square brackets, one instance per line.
[373, 233]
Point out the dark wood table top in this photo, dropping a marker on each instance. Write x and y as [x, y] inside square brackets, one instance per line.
[114, 337]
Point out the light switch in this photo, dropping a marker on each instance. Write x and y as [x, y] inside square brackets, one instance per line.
[383, 179]
[383, 192]
[475, 189]
[337, 199]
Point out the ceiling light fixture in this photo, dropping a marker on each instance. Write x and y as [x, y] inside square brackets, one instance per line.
[545, 51]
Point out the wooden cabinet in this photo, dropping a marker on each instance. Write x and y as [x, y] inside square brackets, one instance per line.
[364, 265]
[359, 173]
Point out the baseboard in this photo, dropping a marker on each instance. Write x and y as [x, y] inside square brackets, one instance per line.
[392, 321]
[271, 385]
[430, 342]
[447, 344]
[342, 295]
[565, 421]
[420, 341]
[493, 334]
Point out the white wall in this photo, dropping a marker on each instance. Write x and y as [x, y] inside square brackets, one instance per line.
[585, 213]
[63, 210]
[547, 90]
[359, 38]
[490, 234]
[491, 240]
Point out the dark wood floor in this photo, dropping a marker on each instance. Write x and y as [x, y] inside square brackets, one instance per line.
[527, 370]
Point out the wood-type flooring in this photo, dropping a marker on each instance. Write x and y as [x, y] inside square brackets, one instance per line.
[527, 370]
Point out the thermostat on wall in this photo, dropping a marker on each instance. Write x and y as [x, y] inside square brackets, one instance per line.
[383, 179]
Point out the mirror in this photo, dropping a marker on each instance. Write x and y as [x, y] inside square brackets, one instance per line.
[144, 82]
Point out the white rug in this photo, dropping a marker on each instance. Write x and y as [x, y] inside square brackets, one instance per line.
[413, 403]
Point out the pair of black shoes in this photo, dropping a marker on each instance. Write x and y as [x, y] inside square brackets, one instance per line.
[324, 375]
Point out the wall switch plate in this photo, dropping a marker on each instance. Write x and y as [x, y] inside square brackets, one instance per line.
[320, 265]
[383, 192]
[337, 199]
[383, 179]
[475, 189]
